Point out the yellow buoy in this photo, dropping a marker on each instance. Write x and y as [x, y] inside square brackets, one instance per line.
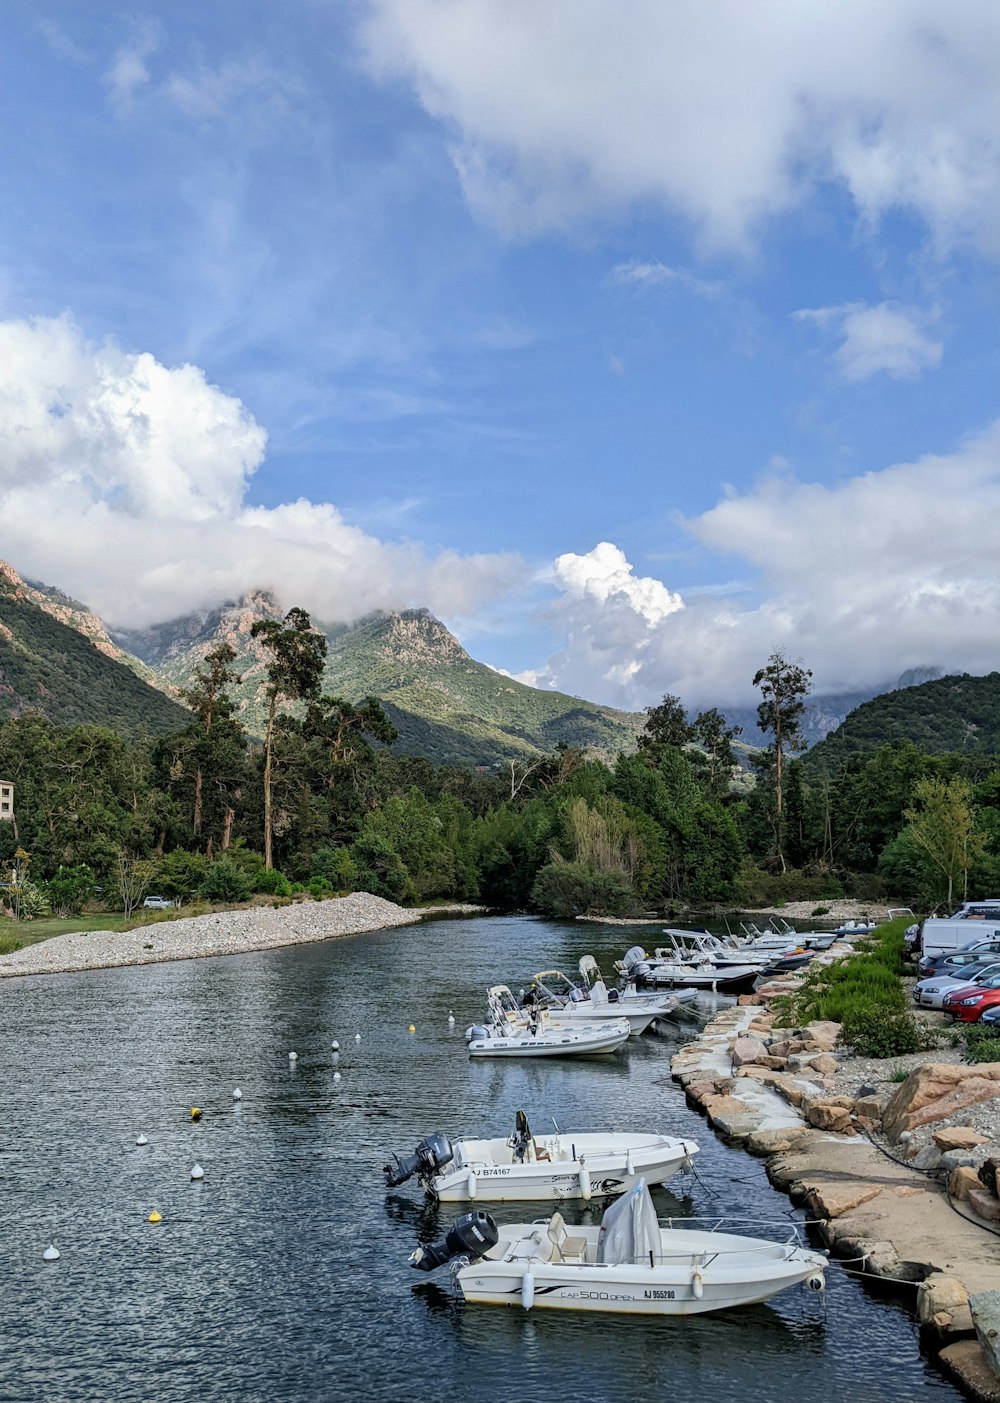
[195, 1113]
[155, 1217]
[412, 1028]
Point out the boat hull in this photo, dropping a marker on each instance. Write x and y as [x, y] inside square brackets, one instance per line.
[612, 1164]
[554, 1043]
[694, 1272]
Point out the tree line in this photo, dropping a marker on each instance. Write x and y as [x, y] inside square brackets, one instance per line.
[323, 804]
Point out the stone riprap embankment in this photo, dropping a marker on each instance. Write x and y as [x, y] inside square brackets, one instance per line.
[219, 933]
[901, 1178]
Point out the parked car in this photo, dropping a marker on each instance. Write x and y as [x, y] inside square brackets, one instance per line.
[991, 1016]
[954, 959]
[157, 903]
[930, 992]
[969, 1002]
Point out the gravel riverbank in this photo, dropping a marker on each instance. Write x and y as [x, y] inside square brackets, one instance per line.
[219, 933]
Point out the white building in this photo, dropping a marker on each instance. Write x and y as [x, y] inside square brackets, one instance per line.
[6, 801]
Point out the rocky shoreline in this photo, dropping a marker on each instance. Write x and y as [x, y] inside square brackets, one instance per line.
[900, 1176]
[219, 933]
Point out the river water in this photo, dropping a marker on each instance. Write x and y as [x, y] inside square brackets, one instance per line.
[283, 1274]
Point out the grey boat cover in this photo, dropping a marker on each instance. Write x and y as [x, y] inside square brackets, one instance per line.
[635, 956]
[630, 1230]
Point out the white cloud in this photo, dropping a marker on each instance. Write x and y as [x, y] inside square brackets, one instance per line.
[885, 338]
[125, 482]
[727, 114]
[128, 71]
[887, 571]
[653, 273]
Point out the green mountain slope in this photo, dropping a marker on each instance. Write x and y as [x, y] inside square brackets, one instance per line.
[51, 666]
[445, 705]
[954, 714]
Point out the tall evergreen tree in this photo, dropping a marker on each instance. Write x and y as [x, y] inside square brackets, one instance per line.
[293, 674]
[784, 686]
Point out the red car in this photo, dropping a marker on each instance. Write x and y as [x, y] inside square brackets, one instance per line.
[969, 1001]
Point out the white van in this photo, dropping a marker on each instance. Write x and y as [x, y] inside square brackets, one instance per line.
[975, 920]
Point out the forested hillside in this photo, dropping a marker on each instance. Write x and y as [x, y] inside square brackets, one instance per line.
[51, 667]
[951, 715]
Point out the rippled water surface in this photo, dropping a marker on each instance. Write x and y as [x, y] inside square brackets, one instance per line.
[283, 1274]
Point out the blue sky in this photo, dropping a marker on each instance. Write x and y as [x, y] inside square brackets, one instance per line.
[635, 341]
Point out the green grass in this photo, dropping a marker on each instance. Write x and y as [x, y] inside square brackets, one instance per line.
[30, 932]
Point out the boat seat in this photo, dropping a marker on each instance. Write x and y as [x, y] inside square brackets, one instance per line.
[540, 1153]
[564, 1247]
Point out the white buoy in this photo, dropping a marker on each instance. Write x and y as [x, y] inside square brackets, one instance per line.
[584, 1181]
[451, 1019]
[237, 1095]
[629, 1166]
[357, 1037]
[697, 1284]
[51, 1254]
[335, 1046]
[527, 1289]
[197, 1172]
[141, 1140]
[293, 1057]
[471, 1188]
[336, 1076]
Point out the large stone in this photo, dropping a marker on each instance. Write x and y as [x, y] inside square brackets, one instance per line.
[985, 1306]
[826, 1034]
[958, 1137]
[777, 1141]
[966, 1362]
[752, 999]
[828, 1115]
[928, 1158]
[746, 1050]
[831, 1200]
[943, 1305]
[869, 1107]
[824, 1064]
[984, 1205]
[937, 1091]
[962, 1181]
[988, 1175]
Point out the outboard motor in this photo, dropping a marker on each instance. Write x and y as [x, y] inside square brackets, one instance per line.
[521, 1138]
[430, 1155]
[471, 1237]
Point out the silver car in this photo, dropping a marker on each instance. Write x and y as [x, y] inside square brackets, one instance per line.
[930, 992]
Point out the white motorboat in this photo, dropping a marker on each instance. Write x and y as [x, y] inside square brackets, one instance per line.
[703, 947]
[561, 1166]
[554, 991]
[512, 1032]
[628, 995]
[658, 970]
[629, 1264]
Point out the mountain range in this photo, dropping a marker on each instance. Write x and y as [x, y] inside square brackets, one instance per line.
[58, 657]
[444, 704]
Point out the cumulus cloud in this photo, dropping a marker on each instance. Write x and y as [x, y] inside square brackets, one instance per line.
[125, 482]
[885, 338]
[727, 114]
[862, 581]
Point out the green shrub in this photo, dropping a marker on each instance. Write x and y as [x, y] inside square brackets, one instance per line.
[8, 944]
[336, 867]
[820, 911]
[69, 889]
[224, 881]
[318, 887]
[982, 1043]
[881, 1032]
[268, 881]
[899, 1075]
[568, 889]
